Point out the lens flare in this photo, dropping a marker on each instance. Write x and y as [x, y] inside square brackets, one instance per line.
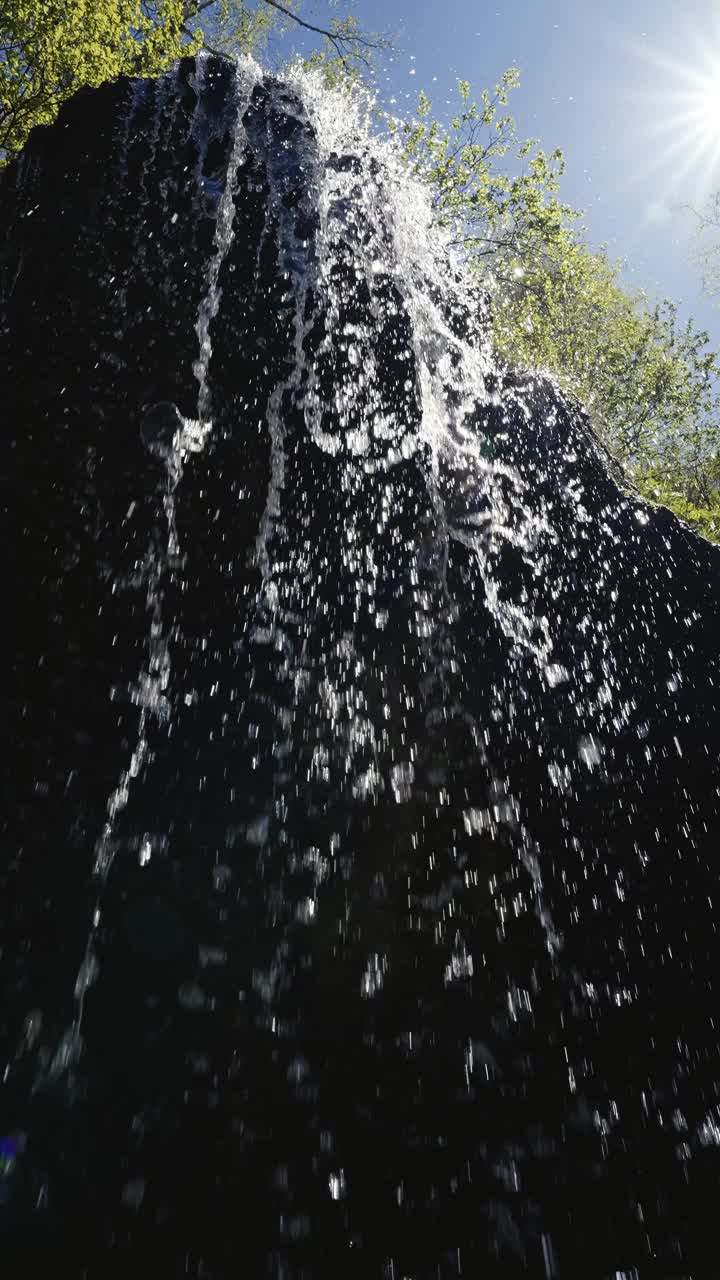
[709, 108]
[675, 105]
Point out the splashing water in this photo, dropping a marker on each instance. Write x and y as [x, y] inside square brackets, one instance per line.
[423, 732]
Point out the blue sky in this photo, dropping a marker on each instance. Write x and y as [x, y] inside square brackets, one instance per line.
[624, 87]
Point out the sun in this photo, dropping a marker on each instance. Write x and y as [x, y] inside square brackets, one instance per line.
[676, 110]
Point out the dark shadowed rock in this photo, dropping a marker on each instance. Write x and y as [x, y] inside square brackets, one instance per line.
[360, 804]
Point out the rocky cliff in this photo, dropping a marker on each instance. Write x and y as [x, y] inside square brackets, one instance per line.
[361, 776]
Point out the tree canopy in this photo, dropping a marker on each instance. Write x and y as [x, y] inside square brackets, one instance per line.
[49, 50]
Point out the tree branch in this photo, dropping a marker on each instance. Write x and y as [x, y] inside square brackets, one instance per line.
[340, 42]
[345, 43]
[218, 53]
[192, 10]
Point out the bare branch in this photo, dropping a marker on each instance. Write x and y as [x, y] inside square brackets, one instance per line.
[346, 43]
[343, 43]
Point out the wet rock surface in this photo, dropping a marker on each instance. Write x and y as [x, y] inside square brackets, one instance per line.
[360, 808]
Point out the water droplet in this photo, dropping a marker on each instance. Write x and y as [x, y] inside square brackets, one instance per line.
[191, 996]
[589, 751]
[87, 974]
[555, 674]
[133, 1194]
[306, 910]
[32, 1027]
[402, 777]
[257, 832]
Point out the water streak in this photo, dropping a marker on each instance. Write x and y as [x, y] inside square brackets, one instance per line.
[170, 439]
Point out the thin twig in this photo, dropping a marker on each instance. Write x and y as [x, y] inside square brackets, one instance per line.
[217, 53]
[339, 42]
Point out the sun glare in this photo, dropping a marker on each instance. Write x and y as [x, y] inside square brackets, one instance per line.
[676, 104]
[709, 108]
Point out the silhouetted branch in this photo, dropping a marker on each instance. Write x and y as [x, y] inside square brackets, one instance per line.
[346, 43]
[218, 53]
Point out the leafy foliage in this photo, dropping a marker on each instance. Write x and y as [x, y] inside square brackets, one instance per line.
[231, 26]
[676, 490]
[500, 217]
[639, 372]
[49, 50]
[339, 72]
[650, 383]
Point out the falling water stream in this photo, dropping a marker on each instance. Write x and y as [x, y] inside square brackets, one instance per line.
[169, 439]
[408, 852]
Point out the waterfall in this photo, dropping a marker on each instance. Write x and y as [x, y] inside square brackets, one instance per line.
[361, 810]
[169, 439]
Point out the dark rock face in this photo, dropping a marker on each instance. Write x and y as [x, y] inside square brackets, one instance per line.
[361, 794]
